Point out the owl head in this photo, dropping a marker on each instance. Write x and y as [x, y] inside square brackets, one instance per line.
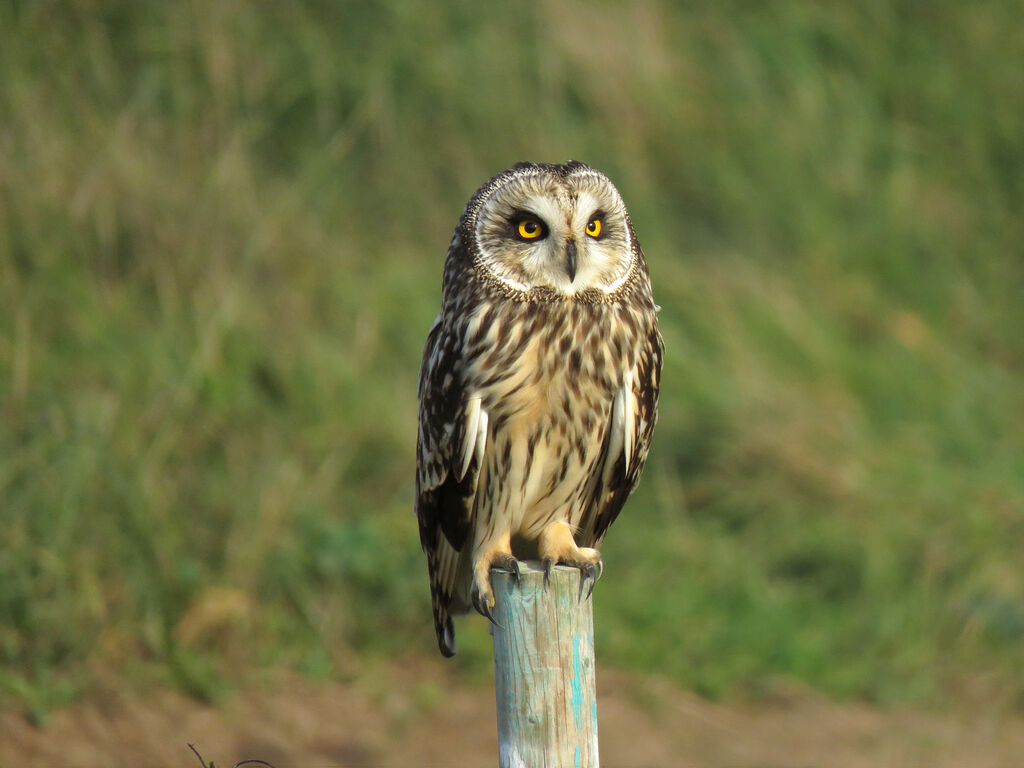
[551, 229]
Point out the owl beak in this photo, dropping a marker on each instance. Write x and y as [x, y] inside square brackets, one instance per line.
[570, 259]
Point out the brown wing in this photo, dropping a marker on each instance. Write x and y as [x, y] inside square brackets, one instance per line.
[446, 476]
[626, 441]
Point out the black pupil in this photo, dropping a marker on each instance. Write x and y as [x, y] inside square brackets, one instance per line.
[529, 227]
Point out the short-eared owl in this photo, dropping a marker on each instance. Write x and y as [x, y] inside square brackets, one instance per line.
[539, 385]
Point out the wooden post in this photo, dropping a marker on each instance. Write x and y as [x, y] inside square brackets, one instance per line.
[544, 670]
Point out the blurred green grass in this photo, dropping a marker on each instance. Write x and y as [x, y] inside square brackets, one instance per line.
[223, 230]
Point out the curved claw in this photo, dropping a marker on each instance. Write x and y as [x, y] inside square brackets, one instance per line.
[483, 608]
[510, 564]
[548, 563]
[588, 578]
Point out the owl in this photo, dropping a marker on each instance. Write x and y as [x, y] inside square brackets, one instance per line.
[538, 390]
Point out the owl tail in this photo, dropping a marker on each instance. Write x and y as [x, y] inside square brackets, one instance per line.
[443, 625]
[443, 565]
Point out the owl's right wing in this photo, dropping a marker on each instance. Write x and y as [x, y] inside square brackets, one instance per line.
[450, 446]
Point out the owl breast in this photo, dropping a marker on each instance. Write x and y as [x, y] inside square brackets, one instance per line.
[547, 375]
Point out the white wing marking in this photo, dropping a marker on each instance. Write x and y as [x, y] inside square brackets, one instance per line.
[628, 418]
[475, 437]
[481, 437]
[469, 437]
[623, 424]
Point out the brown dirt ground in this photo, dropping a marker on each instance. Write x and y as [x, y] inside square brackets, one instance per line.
[419, 713]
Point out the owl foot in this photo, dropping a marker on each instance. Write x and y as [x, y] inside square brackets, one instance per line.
[558, 547]
[483, 591]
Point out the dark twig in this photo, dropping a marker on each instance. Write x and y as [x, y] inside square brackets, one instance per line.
[201, 761]
[239, 764]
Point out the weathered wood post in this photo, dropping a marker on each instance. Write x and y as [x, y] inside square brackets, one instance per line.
[544, 670]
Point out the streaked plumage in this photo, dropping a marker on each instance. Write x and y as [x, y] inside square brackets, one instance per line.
[539, 384]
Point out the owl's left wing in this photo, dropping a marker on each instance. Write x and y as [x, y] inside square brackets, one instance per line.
[627, 440]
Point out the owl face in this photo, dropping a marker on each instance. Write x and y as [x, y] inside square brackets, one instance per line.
[559, 227]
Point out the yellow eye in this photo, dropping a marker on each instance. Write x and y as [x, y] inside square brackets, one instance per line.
[594, 228]
[529, 229]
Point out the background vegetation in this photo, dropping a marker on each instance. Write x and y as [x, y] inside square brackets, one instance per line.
[223, 226]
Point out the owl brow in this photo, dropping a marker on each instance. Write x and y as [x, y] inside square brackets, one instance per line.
[521, 214]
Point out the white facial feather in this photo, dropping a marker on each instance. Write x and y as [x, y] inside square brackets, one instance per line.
[564, 206]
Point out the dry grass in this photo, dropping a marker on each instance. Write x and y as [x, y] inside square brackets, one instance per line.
[223, 232]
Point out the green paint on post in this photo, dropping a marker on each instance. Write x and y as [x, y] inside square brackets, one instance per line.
[577, 693]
